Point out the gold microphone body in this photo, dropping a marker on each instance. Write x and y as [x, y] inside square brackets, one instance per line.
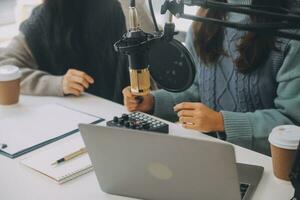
[140, 81]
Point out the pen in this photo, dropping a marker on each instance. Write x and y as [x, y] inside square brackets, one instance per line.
[3, 146]
[70, 156]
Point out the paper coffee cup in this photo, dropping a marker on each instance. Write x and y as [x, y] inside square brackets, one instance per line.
[9, 84]
[284, 142]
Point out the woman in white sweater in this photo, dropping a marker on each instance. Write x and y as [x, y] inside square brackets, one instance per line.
[35, 56]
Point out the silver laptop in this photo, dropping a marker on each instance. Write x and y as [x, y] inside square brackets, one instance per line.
[154, 166]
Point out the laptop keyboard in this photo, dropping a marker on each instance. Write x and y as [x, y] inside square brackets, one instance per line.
[243, 189]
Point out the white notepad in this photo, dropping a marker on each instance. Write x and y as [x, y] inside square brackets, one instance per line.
[33, 127]
[64, 172]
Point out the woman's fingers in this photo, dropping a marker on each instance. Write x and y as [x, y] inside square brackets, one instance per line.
[183, 106]
[130, 104]
[137, 103]
[186, 113]
[75, 82]
[89, 79]
[199, 117]
[132, 108]
[187, 120]
[83, 75]
[73, 92]
[80, 80]
[189, 126]
[187, 106]
[130, 101]
[74, 88]
[127, 92]
[77, 87]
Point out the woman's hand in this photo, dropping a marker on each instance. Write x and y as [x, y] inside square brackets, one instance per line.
[76, 82]
[199, 117]
[135, 103]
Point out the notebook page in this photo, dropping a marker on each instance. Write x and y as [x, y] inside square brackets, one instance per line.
[42, 161]
[38, 124]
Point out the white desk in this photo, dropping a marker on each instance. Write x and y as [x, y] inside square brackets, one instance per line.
[20, 183]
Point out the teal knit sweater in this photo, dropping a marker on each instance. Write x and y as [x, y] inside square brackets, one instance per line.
[252, 104]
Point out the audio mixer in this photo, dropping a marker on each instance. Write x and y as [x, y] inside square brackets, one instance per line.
[139, 121]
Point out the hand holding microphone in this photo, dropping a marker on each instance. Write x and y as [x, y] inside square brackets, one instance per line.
[138, 103]
[135, 44]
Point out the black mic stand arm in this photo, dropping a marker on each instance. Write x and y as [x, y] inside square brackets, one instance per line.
[285, 21]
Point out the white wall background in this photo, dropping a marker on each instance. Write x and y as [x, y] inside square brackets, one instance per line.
[13, 12]
[181, 24]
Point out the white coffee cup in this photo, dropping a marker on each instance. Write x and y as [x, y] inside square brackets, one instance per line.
[10, 77]
[284, 142]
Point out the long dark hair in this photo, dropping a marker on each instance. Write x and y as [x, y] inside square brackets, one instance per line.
[74, 25]
[253, 48]
[82, 34]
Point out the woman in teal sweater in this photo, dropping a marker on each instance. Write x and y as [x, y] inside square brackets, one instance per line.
[247, 83]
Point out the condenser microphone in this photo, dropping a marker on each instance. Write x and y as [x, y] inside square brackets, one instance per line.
[138, 61]
[159, 54]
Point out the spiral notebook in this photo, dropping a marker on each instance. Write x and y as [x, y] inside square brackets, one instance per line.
[64, 172]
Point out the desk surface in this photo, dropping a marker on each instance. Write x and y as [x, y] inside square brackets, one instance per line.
[20, 183]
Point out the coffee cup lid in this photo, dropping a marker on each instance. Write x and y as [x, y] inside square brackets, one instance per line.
[9, 73]
[286, 137]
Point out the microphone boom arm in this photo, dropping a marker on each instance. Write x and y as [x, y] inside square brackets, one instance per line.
[285, 28]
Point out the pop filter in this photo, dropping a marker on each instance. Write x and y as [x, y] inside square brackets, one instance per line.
[171, 65]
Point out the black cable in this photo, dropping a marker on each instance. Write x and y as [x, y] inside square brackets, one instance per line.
[153, 15]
